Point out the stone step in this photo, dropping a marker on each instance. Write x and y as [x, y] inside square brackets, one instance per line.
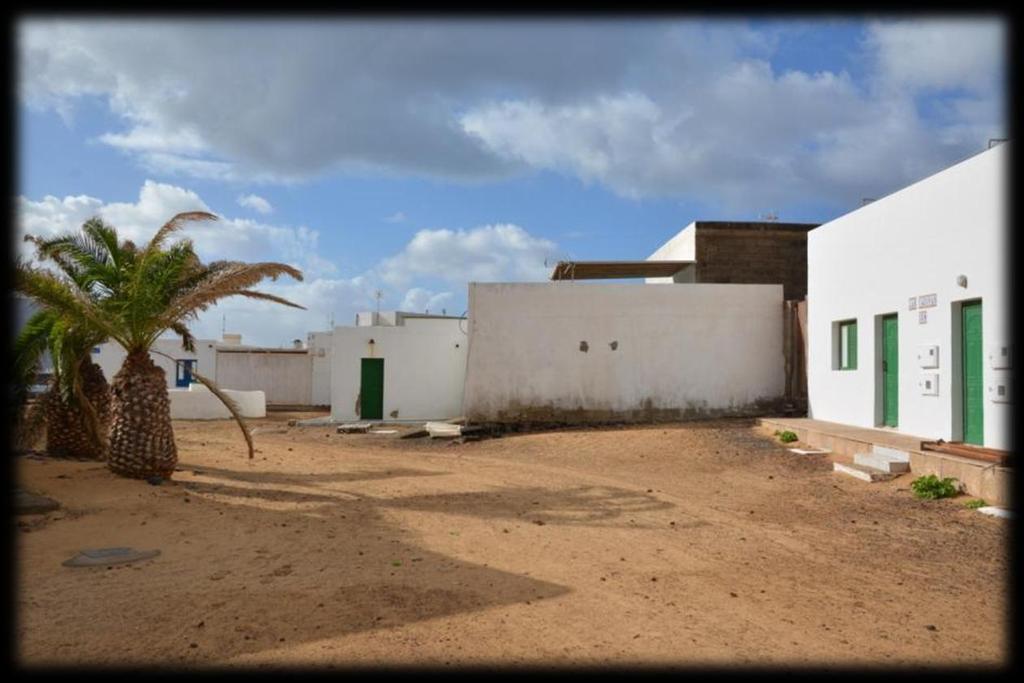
[893, 453]
[882, 462]
[861, 472]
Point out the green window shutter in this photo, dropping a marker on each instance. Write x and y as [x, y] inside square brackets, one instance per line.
[852, 330]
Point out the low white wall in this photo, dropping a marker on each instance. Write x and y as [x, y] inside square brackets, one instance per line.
[198, 403]
[424, 368]
[872, 261]
[679, 351]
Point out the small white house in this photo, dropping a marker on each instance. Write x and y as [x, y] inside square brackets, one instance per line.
[909, 309]
[177, 369]
[398, 366]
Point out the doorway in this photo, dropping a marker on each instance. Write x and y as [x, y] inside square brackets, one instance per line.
[371, 389]
[183, 372]
[971, 365]
[890, 371]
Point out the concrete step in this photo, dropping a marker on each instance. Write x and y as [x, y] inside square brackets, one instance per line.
[882, 462]
[893, 453]
[861, 472]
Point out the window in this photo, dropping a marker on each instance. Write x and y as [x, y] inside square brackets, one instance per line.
[848, 345]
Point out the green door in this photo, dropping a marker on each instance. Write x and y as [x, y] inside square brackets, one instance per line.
[890, 371]
[974, 423]
[371, 389]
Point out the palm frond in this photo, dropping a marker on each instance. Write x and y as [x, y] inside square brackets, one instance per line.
[68, 302]
[173, 225]
[226, 280]
[29, 346]
[188, 342]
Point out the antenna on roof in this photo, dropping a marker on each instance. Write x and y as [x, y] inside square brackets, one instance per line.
[996, 141]
[377, 295]
[866, 200]
[770, 216]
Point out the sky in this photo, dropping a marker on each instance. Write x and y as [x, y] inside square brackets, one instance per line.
[411, 157]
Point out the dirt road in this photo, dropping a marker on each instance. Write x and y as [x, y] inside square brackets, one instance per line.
[698, 544]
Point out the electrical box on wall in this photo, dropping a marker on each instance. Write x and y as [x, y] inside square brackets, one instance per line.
[929, 384]
[928, 356]
[999, 357]
[1000, 391]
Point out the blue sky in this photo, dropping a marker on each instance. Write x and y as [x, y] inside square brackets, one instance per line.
[413, 157]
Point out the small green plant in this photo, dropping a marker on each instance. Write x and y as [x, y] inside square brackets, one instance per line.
[931, 487]
[787, 436]
[975, 504]
[396, 563]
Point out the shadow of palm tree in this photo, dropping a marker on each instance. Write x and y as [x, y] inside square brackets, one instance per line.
[272, 477]
[580, 505]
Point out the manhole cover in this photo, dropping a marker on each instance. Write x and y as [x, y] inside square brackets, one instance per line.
[94, 557]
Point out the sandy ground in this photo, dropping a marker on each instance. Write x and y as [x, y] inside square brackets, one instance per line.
[695, 544]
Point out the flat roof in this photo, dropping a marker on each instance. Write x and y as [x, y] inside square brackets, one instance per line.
[607, 270]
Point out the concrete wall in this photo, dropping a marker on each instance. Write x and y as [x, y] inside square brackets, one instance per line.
[872, 261]
[424, 368]
[198, 403]
[650, 352]
[754, 253]
[286, 377]
[321, 346]
[111, 356]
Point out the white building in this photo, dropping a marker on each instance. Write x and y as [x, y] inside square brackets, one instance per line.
[321, 345]
[398, 366]
[909, 305]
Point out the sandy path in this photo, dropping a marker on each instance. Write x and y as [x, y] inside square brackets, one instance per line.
[703, 543]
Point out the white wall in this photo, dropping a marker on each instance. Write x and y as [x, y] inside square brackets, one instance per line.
[682, 247]
[320, 347]
[198, 403]
[112, 355]
[914, 242]
[424, 368]
[680, 351]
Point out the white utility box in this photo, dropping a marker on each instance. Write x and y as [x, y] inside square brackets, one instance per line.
[999, 357]
[929, 384]
[1000, 390]
[928, 356]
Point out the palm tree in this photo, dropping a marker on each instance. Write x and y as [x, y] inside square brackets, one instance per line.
[76, 407]
[147, 292]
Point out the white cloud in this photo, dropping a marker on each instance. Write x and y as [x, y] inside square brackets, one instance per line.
[397, 217]
[646, 108]
[486, 253]
[939, 54]
[420, 300]
[256, 203]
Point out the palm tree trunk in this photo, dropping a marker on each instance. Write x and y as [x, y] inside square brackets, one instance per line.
[141, 436]
[67, 432]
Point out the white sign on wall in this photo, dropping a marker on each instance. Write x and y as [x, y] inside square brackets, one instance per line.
[922, 317]
[927, 301]
[912, 304]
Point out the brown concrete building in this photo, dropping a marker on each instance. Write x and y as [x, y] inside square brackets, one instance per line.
[741, 253]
